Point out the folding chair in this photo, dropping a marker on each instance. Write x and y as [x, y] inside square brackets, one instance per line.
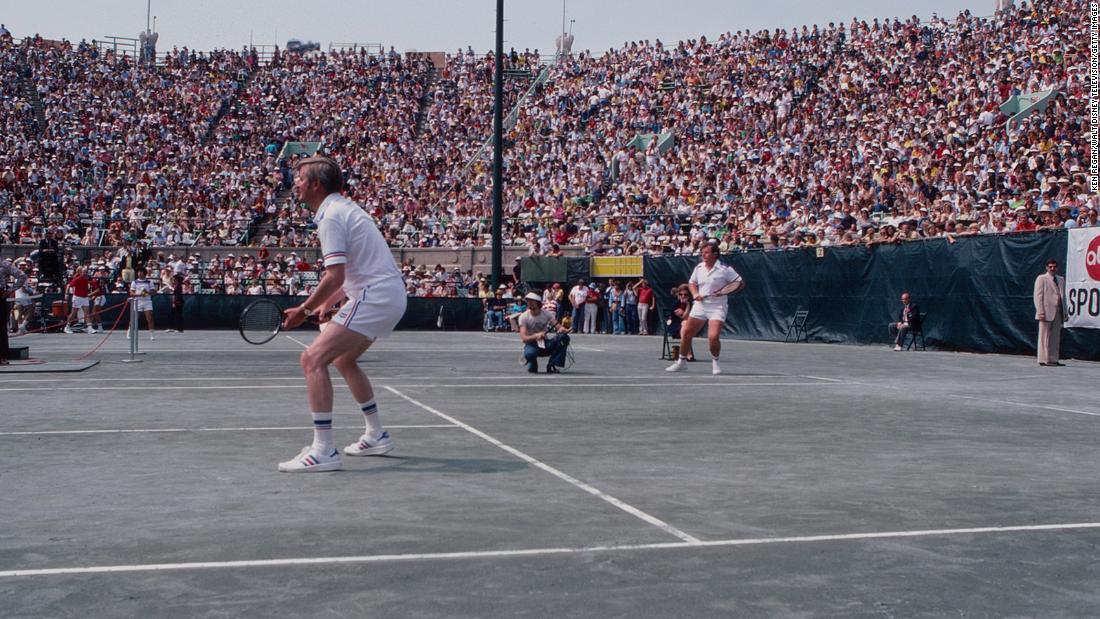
[798, 327]
[669, 341]
[917, 331]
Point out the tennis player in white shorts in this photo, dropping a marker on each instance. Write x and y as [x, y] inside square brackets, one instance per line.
[360, 271]
[141, 290]
[710, 276]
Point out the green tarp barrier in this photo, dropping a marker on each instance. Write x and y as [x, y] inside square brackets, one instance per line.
[216, 311]
[540, 269]
[977, 292]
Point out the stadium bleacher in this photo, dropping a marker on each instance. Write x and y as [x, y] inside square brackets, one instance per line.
[858, 133]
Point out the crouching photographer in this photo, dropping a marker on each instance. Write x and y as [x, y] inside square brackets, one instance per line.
[535, 327]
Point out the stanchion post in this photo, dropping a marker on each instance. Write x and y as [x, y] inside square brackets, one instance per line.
[132, 332]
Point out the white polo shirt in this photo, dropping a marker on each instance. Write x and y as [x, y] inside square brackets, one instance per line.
[349, 237]
[711, 280]
[142, 285]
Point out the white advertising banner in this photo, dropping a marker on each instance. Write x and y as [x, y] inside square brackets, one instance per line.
[1083, 278]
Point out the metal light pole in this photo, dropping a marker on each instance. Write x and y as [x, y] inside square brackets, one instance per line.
[563, 21]
[498, 146]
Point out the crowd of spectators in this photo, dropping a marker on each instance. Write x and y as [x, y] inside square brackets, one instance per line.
[867, 133]
[122, 155]
[281, 273]
[860, 133]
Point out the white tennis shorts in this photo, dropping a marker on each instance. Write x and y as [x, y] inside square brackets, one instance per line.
[144, 304]
[709, 309]
[375, 311]
[100, 301]
[80, 301]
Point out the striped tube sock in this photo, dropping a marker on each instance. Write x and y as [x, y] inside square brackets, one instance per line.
[322, 434]
[372, 418]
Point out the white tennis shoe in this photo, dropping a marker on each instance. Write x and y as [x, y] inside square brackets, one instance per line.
[367, 446]
[714, 367]
[677, 366]
[308, 462]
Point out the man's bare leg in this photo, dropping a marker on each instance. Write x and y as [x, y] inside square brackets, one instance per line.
[335, 342]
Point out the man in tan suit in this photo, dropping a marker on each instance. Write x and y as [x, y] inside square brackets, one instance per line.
[1050, 290]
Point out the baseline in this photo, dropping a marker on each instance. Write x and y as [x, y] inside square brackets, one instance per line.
[487, 554]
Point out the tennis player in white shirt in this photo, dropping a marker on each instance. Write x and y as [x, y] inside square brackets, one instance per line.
[710, 282]
[359, 272]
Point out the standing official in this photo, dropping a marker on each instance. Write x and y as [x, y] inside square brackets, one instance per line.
[1050, 311]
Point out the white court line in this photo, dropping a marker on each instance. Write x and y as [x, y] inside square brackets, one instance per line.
[554, 384]
[509, 385]
[269, 348]
[534, 552]
[458, 377]
[152, 388]
[633, 511]
[153, 379]
[1026, 405]
[828, 380]
[157, 430]
[512, 339]
[297, 341]
[586, 348]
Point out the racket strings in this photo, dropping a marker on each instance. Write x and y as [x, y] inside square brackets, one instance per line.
[261, 321]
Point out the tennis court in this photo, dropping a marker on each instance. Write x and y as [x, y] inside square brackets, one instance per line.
[807, 480]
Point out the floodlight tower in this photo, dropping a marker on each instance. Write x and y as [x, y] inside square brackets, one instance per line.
[148, 39]
[498, 146]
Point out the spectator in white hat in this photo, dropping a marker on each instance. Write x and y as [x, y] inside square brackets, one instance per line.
[542, 336]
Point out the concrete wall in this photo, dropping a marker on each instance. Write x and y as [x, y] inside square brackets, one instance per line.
[478, 259]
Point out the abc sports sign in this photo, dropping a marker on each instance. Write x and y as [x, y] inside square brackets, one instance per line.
[1083, 278]
[1092, 259]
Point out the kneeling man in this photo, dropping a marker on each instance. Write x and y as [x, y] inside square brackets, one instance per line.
[534, 329]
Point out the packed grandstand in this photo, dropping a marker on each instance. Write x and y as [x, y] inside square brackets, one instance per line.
[858, 133]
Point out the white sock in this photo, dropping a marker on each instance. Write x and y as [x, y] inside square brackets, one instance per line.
[372, 418]
[322, 434]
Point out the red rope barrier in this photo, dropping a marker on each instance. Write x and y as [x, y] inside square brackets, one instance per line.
[113, 327]
[44, 329]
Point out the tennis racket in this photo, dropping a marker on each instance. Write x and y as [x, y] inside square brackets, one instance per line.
[728, 288]
[261, 321]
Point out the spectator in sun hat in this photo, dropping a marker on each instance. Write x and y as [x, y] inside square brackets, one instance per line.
[542, 336]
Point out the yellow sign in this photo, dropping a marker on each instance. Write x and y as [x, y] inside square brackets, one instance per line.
[616, 266]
